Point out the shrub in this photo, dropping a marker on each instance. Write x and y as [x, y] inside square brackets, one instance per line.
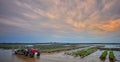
[111, 55]
[103, 55]
[84, 53]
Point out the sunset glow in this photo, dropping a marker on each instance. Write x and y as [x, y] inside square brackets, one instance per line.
[60, 21]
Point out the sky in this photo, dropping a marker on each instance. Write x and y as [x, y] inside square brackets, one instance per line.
[69, 21]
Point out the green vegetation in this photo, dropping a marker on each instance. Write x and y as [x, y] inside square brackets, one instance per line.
[103, 55]
[45, 48]
[56, 48]
[84, 53]
[111, 55]
[7, 46]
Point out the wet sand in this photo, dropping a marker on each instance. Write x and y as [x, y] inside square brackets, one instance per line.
[8, 56]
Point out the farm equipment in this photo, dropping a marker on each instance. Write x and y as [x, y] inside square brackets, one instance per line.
[31, 52]
[19, 51]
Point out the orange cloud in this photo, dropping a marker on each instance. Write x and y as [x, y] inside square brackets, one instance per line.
[104, 27]
[95, 27]
[74, 15]
[110, 25]
[75, 24]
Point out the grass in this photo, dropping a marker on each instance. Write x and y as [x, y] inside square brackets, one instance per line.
[11, 46]
[56, 47]
[44, 48]
[111, 55]
[84, 53]
[103, 55]
[55, 50]
[59, 49]
[80, 53]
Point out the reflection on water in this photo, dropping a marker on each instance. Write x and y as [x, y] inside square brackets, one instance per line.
[8, 56]
[27, 59]
[112, 46]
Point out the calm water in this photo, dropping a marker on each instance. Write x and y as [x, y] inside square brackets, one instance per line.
[112, 46]
[8, 56]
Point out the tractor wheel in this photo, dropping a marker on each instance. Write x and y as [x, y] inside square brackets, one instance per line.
[31, 54]
[23, 52]
[15, 52]
[38, 53]
[26, 53]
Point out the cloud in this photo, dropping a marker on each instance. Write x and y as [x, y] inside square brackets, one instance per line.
[78, 15]
[109, 5]
[76, 25]
[111, 25]
[30, 16]
[58, 18]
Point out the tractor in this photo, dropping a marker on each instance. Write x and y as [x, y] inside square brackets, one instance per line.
[29, 51]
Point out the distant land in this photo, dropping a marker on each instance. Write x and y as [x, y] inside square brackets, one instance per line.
[57, 43]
